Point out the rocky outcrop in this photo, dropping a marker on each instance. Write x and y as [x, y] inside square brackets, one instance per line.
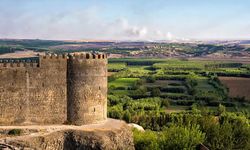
[117, 136]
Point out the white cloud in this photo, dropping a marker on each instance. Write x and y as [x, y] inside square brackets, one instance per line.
[26, 19]
[76, 24]
[127, 30]
[123, 29]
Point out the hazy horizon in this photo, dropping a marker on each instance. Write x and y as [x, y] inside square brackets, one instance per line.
[125, 20]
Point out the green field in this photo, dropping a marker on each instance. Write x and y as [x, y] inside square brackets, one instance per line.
[171, 97]
[114, 67]
[123, 82]
[182, 82]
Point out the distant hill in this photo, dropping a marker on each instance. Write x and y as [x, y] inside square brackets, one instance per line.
[156, 49]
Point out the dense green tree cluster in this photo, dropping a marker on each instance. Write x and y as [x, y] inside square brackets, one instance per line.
[223, 65]
[172, 138]
[9, 49]
[182, 131]
[170, 83]
[217, 129]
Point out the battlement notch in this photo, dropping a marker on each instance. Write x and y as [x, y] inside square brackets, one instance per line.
[87, 56]
[53, 56]
[13, 63]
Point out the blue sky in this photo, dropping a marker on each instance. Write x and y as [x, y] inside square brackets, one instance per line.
[125, 19]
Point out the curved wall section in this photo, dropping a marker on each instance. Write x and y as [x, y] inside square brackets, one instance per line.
[86, 89]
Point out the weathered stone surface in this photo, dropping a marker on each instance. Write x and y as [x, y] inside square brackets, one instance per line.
[112, 134]
[54, 90]
[87, 92]
[34, 94]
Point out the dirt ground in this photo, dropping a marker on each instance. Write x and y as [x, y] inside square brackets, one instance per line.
[109, 134]
[237, 86]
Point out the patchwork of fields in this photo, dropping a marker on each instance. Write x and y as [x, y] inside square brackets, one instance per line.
[181, 83]
[175, 99]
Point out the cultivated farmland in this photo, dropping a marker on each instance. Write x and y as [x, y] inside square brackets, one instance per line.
[238, 87]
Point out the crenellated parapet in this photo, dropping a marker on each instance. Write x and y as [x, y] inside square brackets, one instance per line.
[79, 55]
[36, 62]
[11, 63]
[53, 56]
[87, 56]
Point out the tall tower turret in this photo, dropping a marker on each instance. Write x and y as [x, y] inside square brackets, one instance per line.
[86, 88]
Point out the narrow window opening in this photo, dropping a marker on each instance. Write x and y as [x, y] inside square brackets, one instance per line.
[87, 56]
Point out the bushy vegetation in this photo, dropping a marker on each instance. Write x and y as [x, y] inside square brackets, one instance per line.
[174, 138]
[146, 91]
[217, 129]
[15, 132]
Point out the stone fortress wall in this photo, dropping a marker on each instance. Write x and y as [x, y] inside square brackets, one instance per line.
[54, 89]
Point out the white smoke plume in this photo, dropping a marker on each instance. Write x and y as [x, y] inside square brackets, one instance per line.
[74, 25]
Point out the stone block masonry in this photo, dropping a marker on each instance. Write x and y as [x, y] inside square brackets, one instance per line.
[54, 89]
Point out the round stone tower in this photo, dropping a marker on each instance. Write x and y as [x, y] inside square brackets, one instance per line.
[86, 88]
